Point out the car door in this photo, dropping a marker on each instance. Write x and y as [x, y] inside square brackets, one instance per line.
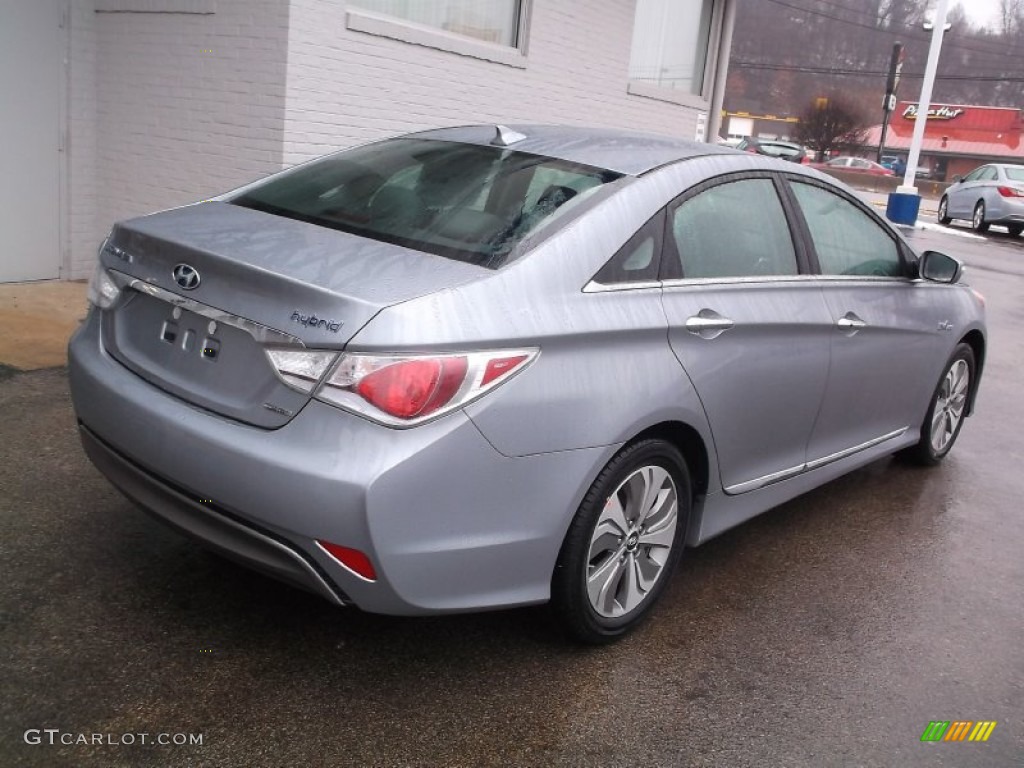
[962, 196]
[748, 325]
[887, 327]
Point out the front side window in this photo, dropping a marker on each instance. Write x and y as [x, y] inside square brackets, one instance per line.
[670, 43]
[975, 175]
[736, 229]
[462, 201]
[493, 21]
[847, 240]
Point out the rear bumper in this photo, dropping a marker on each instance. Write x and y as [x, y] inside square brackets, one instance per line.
[449, 523]
[216, 528]
[1005, 211]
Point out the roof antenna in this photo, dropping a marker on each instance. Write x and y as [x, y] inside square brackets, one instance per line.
[505, 136]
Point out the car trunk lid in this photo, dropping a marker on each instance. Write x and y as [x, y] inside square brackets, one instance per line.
[210, 286]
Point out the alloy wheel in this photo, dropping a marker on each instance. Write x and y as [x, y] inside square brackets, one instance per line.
[949, 405]
[632, 541]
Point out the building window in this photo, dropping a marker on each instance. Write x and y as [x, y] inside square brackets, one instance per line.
[670, 43]
[492, 21]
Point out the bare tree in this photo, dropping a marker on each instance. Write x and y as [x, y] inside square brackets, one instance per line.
[1011, 16]
[832, 123]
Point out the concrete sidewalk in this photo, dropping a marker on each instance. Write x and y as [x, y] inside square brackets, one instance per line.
[929, 207]
[36, 321]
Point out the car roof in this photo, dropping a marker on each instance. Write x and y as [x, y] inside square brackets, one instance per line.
[627, 152]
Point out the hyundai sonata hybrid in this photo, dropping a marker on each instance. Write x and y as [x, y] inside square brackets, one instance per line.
[486, 366]
[991, 194]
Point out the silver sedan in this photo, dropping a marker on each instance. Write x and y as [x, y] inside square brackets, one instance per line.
[483, 367]
[990, 194]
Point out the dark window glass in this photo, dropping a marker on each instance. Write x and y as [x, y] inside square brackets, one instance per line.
[737, 229]
[462, 201]
[638, 259]
[847, 240]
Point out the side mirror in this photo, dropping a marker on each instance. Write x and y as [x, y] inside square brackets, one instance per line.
[940, 268]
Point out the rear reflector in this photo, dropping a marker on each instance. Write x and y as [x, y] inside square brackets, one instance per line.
[352, 559]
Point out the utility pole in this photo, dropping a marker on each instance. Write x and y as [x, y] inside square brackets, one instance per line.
[889, 103]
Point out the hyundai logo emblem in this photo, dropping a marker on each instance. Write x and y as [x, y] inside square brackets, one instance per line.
[186, 277]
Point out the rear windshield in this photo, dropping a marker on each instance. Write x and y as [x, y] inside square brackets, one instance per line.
[1014, 173]
[781, 150]
[462, 201]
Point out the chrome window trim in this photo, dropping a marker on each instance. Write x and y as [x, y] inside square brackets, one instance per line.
[595, 287]
[785, 474]
[261, 333]
[685, 282]
[865, 278]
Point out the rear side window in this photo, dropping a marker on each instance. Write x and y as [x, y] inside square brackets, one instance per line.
[638, 260]
[736, 229]
[847, 240]
[1014, 173]
[462, 201]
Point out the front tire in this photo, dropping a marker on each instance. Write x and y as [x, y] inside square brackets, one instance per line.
[978, 221]
[944, 211]
[947, 410]
[624, 543]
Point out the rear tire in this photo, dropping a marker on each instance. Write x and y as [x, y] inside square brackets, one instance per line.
[624, 543]
[944, 211]
[947, 410]
[978, 221]
[1015, 229]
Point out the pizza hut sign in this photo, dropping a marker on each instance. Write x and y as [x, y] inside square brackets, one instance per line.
[935, 113]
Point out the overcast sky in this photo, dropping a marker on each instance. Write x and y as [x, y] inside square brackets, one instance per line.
[983, 12]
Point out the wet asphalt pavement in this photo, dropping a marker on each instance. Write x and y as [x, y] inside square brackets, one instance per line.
[828, 632]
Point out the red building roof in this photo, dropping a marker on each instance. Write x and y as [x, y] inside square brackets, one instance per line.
[953, 129]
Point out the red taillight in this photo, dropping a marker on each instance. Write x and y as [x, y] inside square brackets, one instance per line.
[1010, 192]
[353, 559]
[414, 387]
[498, 367]
[404, 390]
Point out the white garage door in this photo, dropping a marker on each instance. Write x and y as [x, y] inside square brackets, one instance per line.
[30, 91]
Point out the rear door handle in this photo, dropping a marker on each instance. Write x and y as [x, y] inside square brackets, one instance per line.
[708, 324]
[850, 323]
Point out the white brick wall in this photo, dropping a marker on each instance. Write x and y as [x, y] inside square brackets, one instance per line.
[345, 87]
[84, 227]
[168, 108]
[189, 105]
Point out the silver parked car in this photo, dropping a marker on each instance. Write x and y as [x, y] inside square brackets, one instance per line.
[990, 194]
[478, 367]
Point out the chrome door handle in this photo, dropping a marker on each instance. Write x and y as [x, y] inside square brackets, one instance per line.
[697, 324]
[850, 322]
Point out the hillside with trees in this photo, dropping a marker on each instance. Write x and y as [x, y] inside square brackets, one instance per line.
[788, 52]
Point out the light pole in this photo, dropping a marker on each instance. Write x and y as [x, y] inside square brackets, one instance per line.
[905, 202]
